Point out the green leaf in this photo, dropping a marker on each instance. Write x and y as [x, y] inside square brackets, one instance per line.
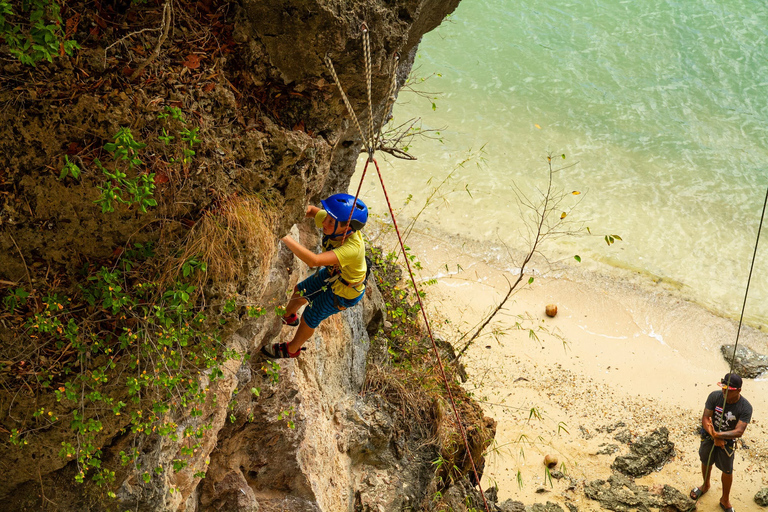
[530, 280]
[577, 258]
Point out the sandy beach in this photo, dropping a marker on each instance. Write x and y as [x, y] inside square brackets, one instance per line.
[625, 354]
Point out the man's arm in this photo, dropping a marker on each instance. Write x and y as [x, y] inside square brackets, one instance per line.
[709, 428]
[312, 211]
[732, 434]
[324, 259]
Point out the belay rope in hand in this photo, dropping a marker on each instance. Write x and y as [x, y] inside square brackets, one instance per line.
[371, 142]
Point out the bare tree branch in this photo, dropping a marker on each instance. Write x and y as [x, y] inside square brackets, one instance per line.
[542, 226]
[166, 26]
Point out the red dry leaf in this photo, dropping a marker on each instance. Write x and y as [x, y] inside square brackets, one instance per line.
[161, 178]
[192, 61]
[208, 87]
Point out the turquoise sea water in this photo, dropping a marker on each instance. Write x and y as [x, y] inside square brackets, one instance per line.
[662, 106]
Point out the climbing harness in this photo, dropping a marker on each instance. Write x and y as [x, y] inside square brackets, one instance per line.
[371, 142]
[738, 333]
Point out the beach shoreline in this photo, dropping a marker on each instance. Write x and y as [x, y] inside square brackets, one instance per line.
[625, 354]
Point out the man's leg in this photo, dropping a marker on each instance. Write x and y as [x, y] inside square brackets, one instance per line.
[706, 472]
[727, 481]
[303, 333]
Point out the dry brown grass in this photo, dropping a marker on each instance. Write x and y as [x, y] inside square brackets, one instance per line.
[416, 406]
[232, 239]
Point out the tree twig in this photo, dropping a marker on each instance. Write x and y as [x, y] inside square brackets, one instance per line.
[543, 230]
[158, 29]
[166, 26]
[29, 278]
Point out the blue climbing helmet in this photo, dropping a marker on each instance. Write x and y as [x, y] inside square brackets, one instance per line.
[339, 207]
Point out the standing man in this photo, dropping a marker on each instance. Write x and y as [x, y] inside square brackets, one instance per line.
[726, 415]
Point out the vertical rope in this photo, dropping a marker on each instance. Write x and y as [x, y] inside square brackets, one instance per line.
[738, 332]
[351, 111]
[749, 279]
[370, 149]
[367, 57]
[431, 337]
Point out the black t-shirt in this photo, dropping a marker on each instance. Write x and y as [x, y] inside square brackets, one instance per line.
[725, 420]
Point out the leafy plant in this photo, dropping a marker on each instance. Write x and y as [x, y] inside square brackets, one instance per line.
[156, 347]
[288, 415]
[15, 298]
[69, 169]
[121, 188]
[34, 32]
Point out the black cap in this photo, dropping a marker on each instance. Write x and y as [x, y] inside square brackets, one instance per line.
[732, 380]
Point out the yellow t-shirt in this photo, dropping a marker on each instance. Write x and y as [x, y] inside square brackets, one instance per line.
[351, 257]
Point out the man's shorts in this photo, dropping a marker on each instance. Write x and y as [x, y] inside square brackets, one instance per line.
[322, 301]
[720, 457]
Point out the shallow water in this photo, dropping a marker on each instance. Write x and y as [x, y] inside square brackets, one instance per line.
[659, 107]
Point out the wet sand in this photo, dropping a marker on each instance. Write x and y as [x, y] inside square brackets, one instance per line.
[624, 353]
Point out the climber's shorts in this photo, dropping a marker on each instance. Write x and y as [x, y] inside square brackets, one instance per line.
[720, 457]
[322, 301]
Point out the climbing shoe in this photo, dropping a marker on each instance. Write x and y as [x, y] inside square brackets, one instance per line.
[292, 320]
[279, 351]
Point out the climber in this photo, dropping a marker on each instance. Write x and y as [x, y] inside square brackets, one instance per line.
[340, 283]
[726, 415]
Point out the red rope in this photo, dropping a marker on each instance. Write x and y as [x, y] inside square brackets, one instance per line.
[429, 329]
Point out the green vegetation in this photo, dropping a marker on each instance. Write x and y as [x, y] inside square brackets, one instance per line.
[126, 344]
[121, 188]
[34, 31]
[408, 379]
[149, 359]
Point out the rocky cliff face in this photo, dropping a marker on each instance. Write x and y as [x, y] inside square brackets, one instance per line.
[239, 124]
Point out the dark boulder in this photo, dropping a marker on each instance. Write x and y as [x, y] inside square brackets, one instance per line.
[761, 498]
[648, 454]
[620, 493]
[548, 507]
[747, 363]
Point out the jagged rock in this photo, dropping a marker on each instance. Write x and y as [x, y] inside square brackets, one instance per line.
[572, 507]
[548, 507]
[511, 506]
[294, 150]
[646, 455]
[625, 436]
[373, 309]
[615, 426]
[607, 449]
[492, 494]
[747, 363]
[585, 433]
[620, 493]
[761, 498]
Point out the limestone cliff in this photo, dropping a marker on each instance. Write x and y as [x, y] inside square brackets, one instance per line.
[170, 153]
